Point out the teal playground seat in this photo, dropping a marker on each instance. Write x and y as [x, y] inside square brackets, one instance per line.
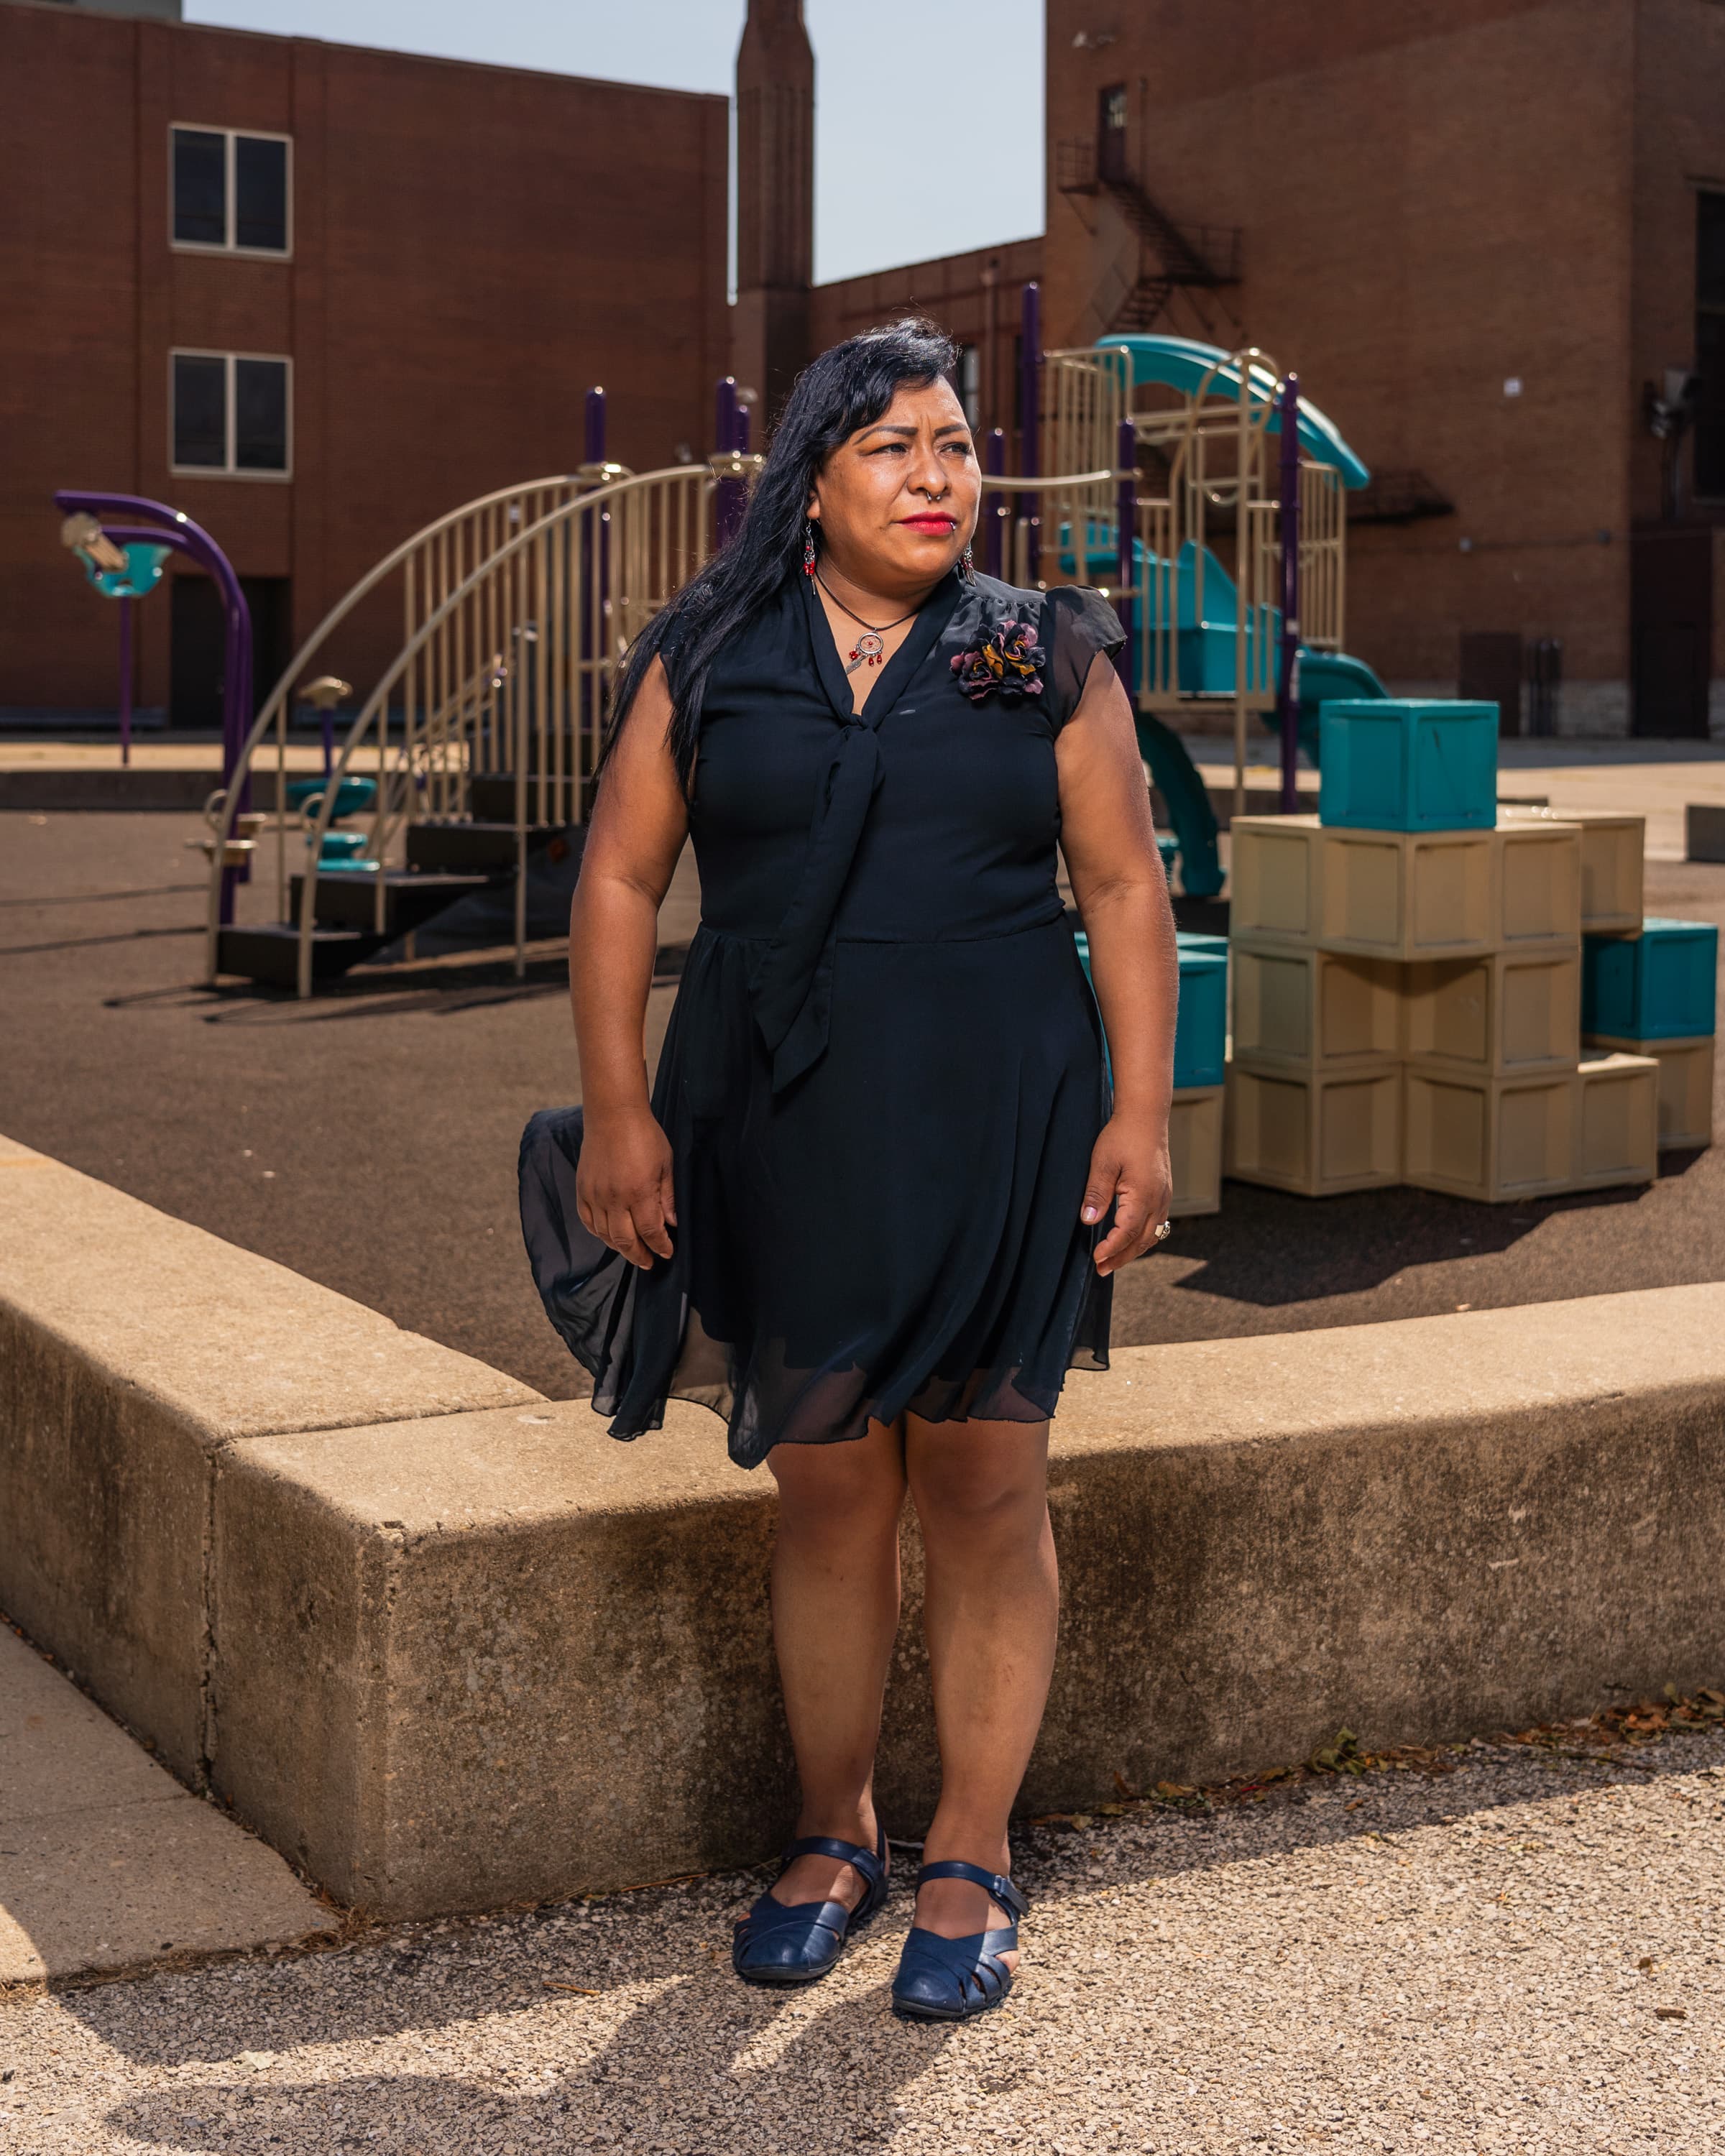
[352, 795]
[344, 849]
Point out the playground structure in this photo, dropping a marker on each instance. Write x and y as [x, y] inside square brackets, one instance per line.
[1206, 499]
[1189, 485]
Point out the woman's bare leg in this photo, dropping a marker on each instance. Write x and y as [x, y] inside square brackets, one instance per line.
[991, 1609]
[835, 1617]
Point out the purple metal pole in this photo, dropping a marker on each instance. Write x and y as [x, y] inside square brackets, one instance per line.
[596, 426]
[1030, 414]
[126, 680]
[993, 462]
[1286, 701]
[727, 509]
[1126, 512]
[174, 526]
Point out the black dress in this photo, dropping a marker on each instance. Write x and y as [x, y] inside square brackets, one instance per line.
[884, 1074]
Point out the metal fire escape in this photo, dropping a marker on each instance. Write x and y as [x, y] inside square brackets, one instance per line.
[1172, 258]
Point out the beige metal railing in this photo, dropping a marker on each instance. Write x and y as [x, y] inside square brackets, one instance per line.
[1036, 523]
[517, 611]
[1220, 497]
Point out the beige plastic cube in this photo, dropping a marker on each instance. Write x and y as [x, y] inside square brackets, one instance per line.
[1314, 1132]
[1514, 1012]
[1612, 849]
[1274, 877]
[1539, 881]
[1194, 1144]
[1296, 1004]
[1685, 1087]
[1492, 1139]
[1407, 895]
[1617, 1121]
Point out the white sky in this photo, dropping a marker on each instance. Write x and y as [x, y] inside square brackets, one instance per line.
[928, 126]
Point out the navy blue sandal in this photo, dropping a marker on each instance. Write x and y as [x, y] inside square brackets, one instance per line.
[797, 1943]
[941, 1979]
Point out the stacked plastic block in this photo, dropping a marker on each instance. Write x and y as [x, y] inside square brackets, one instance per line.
[1201, 1069]
[1408, 976]
[1651, 994]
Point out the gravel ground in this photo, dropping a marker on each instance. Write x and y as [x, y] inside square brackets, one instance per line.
[1523, 1954]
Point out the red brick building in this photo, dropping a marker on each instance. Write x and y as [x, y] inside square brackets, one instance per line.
[367, 286]
[1479, 229]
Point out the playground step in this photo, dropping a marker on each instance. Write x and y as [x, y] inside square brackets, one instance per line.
[271, 955]
[411, 898]
[475, 847]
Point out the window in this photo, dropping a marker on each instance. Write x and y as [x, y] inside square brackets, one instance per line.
[230, 414]
[1111, 116]
[1710, 346]
[230, 191]
[967, 381]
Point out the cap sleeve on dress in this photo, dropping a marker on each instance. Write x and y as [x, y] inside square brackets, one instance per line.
[1076, 624]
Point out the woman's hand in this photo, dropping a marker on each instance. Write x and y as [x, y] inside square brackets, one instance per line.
[1129, 1166]
[622, 1186]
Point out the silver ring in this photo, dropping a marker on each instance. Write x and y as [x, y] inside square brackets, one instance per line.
[1165, 1229]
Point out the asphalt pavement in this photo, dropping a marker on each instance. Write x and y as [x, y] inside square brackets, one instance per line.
[367, 1138]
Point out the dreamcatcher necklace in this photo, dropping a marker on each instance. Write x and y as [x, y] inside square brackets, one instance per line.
[869, 648]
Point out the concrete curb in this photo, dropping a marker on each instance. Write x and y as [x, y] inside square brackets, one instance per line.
[447, 1645]
[134, 1349]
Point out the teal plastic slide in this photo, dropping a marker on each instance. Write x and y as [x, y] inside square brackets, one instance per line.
[1205, 601]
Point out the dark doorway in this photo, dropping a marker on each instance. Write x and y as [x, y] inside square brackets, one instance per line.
[1491, 673]
[1670, 629]
[1110, 132]
[198, 642]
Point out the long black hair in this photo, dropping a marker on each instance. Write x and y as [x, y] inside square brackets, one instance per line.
[847, 388]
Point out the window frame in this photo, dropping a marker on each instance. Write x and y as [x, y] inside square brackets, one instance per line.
[230, 245]
[230, 415]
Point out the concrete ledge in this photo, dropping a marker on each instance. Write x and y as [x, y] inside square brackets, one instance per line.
[448, 1644]
[134, 1348]
[498, 1655]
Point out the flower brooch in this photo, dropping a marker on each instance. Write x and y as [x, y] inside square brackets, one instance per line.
[1006, 664]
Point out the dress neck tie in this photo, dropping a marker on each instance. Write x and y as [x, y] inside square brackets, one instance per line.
[790, 983]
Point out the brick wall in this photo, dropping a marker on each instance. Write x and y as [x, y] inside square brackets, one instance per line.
[1434, 199]
[974, 297]
[473, 247]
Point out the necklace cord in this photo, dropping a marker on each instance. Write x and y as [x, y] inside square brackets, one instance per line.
[868, 625]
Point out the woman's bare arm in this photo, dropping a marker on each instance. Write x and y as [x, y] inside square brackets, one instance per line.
[1121, 893]
[623, 1189]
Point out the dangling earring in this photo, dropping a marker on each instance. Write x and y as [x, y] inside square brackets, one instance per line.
[967, 563]
[808, 547]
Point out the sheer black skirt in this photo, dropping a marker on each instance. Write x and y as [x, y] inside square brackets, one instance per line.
[897, 1230]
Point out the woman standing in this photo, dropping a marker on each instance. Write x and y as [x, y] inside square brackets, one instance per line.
[872, 1209]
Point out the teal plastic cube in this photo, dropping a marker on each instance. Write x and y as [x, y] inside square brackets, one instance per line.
[1193, 939]
[1201, 1027]
[1392, 763]
[1657, 985]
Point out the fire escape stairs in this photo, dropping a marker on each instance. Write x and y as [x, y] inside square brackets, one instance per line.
[1171, 257]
